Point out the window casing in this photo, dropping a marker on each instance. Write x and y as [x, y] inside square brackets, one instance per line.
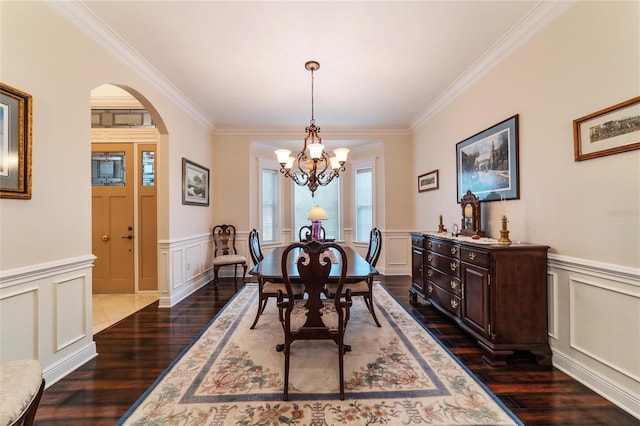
[363, 190]
[269, 213]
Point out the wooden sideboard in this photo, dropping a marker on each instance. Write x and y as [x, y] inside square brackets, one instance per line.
[496, 293]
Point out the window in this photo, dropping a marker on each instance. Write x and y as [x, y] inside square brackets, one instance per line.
[269, 202]
[364, 203]
[325, 196]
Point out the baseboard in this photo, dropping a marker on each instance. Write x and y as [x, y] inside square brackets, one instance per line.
[600, 384]
[59, 370]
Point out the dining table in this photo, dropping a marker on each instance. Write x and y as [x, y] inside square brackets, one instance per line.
[270, 268]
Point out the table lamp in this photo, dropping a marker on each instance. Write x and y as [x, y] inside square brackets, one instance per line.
[316, 214]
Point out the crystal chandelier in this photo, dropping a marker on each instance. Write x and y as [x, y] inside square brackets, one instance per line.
[312, 166]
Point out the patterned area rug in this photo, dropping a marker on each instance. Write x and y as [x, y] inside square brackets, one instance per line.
[398, 374]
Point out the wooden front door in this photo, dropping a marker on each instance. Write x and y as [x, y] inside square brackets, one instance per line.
[112, 195]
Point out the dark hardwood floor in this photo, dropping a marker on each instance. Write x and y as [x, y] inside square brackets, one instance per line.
[134, 352]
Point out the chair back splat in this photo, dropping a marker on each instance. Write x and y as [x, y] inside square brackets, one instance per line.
[225, 251]
[254, 247]
[315, 317]
[375, 244]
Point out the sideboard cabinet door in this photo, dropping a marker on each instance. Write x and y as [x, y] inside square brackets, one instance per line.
[475, 302]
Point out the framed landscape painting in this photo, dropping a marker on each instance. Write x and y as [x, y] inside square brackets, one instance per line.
[195, 184]
[487, 163]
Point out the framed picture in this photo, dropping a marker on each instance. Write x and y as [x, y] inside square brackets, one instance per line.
[487, 163]
[428, 181]
[195, 184]
[609, 131]
[15, 143]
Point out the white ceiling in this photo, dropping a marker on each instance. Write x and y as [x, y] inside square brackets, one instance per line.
[383, 64]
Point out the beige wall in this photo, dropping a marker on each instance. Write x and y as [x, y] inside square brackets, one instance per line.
[587, 212]
[586, 60]
[235, 170]
[45, 242]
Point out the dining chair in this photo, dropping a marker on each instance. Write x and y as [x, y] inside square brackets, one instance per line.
[364, 288]
[304, 233]
[267, 289]
[314, 317]
[225, 251]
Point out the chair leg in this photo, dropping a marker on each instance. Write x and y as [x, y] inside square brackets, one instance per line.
[244, 272]
[287, 350]
[235, 272]
[261, 306]
[215, 275]
[341, 366]
[368, 300]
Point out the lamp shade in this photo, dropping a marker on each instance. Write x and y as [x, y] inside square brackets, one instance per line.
[317, 213]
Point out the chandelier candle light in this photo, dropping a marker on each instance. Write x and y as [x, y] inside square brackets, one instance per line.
[316, 214]
[312, 166]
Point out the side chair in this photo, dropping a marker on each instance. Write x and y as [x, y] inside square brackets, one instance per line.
[267, 289]
[315, 317]
[225, 251]
[364, 288]
[304, 233]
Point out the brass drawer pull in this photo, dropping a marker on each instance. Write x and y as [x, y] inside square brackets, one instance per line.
[454, 250]
[472, 256]
[430, 289]
[453, 266]
[429, 257]
[454, 284]
[454, 303]
[430, 273]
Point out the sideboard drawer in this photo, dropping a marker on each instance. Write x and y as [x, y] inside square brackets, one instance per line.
[417, 241]
[444, 264]
[445, 299]
[476, 257]
[445, 281]
[445, 248]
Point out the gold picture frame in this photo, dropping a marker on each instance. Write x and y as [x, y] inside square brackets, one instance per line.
[608, 131]
[15, 143]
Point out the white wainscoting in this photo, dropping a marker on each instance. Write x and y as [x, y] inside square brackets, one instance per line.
[46, 314]
[187, 265]
[594, 326]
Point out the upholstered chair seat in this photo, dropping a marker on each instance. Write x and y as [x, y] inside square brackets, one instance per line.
[21, 387]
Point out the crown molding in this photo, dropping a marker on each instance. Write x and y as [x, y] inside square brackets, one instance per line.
[82, 17]
[544, 13]
[298, 132]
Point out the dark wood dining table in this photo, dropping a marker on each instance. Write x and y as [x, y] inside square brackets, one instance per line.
[270, 268]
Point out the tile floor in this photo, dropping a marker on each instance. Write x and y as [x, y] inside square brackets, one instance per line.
[108, 309]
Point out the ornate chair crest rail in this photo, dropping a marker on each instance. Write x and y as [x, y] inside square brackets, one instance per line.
[225, 251]
[315, 317]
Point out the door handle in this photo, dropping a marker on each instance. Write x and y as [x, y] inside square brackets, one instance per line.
[105, 238]
[128, 237]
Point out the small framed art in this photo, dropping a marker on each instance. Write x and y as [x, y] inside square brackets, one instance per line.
[608, 131]
[429, 181]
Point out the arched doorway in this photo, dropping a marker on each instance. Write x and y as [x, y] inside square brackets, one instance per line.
[124, 168]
